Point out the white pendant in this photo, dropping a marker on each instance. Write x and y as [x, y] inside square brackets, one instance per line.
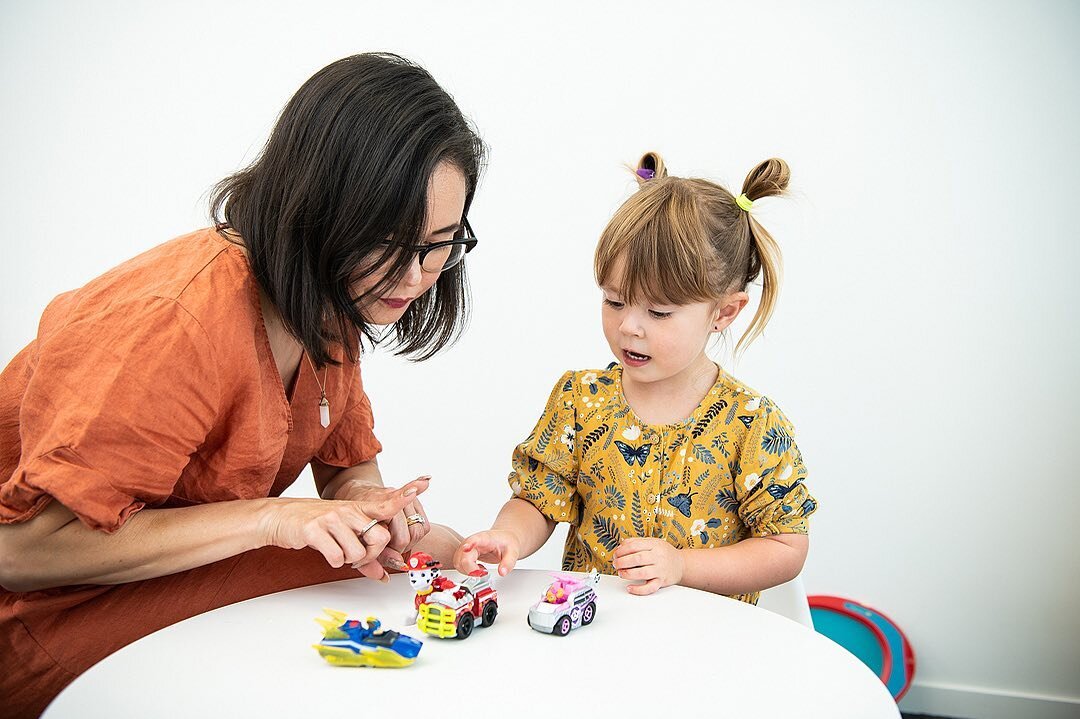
[324, 413]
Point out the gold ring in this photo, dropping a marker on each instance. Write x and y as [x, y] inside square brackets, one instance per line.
[367, 527]
[415, 519]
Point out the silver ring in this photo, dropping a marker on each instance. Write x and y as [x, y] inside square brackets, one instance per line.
[415, 519]
[367, 526]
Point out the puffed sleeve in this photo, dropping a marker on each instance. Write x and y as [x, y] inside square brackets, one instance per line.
[769, 481]
[545, 466]
[352, 440]
[116, 404]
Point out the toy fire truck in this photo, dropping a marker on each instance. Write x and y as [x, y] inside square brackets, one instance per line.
[445, 609]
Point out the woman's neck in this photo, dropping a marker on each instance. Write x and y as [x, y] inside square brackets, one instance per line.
[674, 398]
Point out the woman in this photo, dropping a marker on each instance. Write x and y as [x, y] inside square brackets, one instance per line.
[148, 431]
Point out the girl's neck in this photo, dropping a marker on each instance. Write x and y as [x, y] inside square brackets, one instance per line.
[672, 399]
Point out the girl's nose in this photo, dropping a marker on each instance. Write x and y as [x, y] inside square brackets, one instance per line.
[631, 326]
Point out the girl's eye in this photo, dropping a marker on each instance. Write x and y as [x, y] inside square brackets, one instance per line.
[659, 315]
[613, 303]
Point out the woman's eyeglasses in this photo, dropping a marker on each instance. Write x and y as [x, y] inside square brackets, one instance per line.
[441, 256]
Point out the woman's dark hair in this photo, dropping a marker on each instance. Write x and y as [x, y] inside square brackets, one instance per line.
[347, 168]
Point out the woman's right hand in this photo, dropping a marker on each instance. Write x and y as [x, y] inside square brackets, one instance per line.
[493, 545]
[333, 527]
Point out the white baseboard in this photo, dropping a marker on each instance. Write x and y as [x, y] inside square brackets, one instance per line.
[964, 702]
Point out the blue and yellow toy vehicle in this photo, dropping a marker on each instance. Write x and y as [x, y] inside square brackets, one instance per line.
[351, 643]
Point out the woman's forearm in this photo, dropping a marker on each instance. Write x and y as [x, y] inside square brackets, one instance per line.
[55, 549]
[525, 522]
[751, 565]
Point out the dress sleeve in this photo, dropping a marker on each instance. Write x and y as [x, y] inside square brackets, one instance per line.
[769, 481]
[116, 404]
[545, 465]
[352, 440]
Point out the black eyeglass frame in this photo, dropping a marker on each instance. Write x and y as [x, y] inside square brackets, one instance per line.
[468, 242]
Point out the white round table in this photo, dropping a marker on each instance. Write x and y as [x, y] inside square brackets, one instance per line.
[676, 653]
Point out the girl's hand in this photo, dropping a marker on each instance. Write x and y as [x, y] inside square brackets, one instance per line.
[494, 545]
[651, 560]
[405, 529]
[333, 527]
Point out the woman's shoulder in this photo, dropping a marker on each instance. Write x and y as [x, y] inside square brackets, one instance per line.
[192, 275]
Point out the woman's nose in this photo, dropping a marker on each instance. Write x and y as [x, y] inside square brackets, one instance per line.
[414, 275]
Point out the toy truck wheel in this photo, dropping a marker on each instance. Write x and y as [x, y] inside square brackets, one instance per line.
[588, 613]
[491, 610]
[465, 626]
[562, 627]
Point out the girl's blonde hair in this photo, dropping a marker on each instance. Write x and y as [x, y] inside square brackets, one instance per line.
[685, 240]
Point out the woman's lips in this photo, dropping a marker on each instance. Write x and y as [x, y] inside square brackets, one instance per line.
[635, 359]
[396, 302]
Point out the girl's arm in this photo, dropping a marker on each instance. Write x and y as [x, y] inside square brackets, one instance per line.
[56, 549]
[751, 565]
[531, 528]
[754, 564]
[518, 531]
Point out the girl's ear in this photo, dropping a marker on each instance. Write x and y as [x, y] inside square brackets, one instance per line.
[727, 309]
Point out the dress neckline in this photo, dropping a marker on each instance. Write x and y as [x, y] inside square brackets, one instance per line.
[671, 426]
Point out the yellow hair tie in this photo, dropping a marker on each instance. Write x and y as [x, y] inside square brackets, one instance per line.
[744, 202]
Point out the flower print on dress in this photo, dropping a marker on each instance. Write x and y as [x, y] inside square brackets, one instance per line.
[592, 381]
[567, 437]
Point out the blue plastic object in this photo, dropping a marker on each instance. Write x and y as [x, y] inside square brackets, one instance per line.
[869, 635]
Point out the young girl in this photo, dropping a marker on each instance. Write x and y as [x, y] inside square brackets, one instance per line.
[668, 469]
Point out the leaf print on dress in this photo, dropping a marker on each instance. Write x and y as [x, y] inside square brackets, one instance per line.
[635, 515]
[709, 416]
[634, 454]
[776, 440]
[682, 502]
[606, 532]
[614, 498]
[553, 484]
[779, 491]
[545, 435]
[591, 437]
[703, 455]
[727, 500]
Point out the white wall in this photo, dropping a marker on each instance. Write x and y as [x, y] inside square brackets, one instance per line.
[926, 344]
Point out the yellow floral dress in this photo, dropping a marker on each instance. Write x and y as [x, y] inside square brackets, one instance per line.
[729, 471]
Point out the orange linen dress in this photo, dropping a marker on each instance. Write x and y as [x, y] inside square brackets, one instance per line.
[154, 386]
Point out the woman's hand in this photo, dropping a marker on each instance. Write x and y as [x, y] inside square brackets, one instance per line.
[493, 545]
[651, 560]
[339, 529]
[407, 527]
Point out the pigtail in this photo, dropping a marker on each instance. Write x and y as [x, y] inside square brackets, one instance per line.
[650, 167]
[768, 179]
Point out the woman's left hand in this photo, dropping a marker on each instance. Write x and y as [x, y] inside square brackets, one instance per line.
[653, 561]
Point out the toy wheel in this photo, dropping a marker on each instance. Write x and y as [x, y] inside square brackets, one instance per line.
[491, 610]
[588, 613]
[562, 627]
[465, 627]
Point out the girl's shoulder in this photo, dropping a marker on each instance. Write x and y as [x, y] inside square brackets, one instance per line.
[745, 406]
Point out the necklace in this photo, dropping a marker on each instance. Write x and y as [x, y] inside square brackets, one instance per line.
[324, 404]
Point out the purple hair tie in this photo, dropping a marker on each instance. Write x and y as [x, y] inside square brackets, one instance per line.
[646, 174]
